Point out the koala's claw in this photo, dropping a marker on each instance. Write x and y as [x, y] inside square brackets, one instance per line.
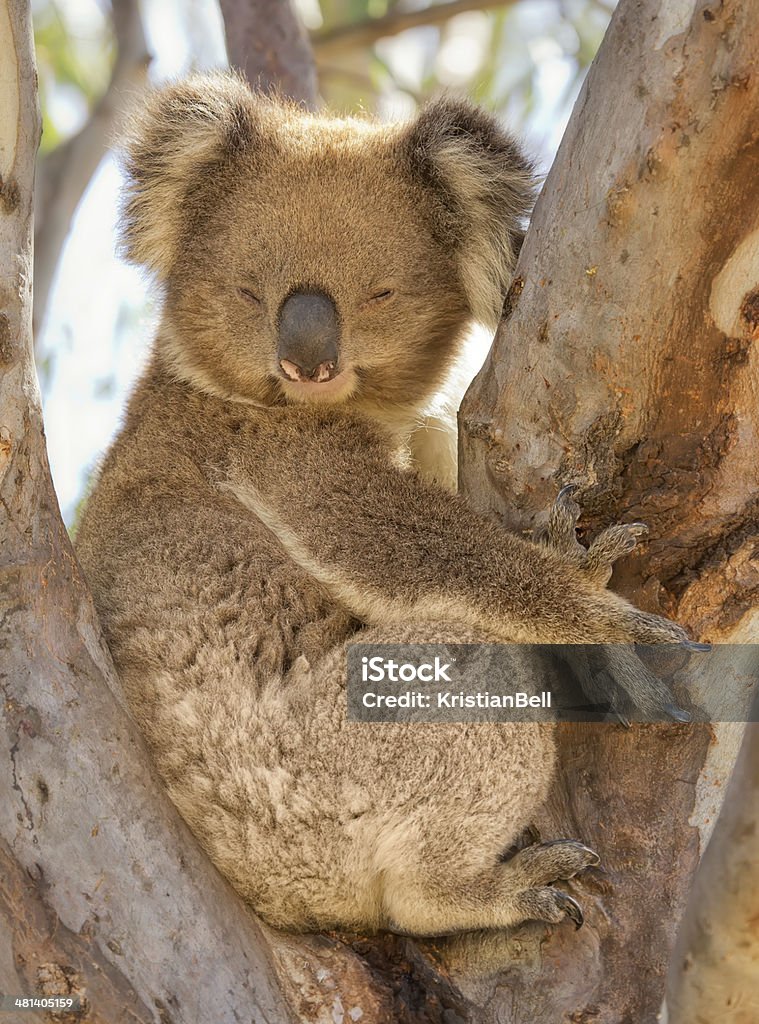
[567, 491]
[694, 645]
[571, 908]
[676, 713]
[549, 904]
[597, 560]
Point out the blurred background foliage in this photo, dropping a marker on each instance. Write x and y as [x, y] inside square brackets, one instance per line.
[75, 52]
[524, 60]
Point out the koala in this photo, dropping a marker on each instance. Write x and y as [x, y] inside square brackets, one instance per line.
[265, 505]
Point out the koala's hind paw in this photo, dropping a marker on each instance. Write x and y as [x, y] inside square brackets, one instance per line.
[597, 560]
[550, 861]
[534, 869]
[549, 904]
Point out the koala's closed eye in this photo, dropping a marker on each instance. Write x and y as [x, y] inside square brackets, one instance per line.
[250, 297]
[379, 297]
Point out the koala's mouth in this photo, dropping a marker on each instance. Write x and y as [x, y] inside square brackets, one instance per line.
[319, 388]
[321, 374]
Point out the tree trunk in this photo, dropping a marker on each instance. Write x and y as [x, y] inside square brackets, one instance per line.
[103, 892]
[626, 363]
[715, 970]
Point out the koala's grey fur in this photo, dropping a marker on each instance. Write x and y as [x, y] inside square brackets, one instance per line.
[245, 526]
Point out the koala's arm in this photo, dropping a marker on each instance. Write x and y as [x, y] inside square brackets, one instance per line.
[393, 548]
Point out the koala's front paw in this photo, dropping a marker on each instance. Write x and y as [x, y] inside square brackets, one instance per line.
[597, 560]
[613, 676]
[612, 673]
[596, 563]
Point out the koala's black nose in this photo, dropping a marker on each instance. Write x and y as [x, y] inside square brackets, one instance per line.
[308, 337]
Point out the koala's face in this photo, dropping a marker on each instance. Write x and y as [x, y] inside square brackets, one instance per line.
[310, 259]
[318, 277]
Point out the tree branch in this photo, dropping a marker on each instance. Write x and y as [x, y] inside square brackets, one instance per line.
[103, 892]
[266, 40]
[626, 363]
[64, 174]
[334, 42]
[714, 970]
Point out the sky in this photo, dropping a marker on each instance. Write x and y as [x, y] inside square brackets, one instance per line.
[102, 313]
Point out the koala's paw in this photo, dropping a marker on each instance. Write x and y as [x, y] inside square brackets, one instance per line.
[609, 674]
[597, 560]
[613, 676]
[534, 869]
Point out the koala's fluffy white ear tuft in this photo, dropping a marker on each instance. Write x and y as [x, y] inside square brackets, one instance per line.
[176, 145]
[483, 187]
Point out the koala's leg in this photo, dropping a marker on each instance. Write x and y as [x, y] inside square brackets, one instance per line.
[433, 893]
[445, 816]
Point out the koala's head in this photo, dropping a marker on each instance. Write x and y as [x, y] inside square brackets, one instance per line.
[309, 258]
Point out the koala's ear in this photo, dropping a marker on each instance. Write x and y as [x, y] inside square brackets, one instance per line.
[176, 148]
[482, 187]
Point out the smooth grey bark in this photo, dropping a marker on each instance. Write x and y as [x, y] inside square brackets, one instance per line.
[103, 892]
[714, 974]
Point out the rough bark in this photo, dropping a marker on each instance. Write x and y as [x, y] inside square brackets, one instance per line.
[715, 969]
[103, 892]
[626, 363]
[266, 40]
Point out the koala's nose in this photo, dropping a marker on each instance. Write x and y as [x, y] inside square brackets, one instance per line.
[308, 337]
